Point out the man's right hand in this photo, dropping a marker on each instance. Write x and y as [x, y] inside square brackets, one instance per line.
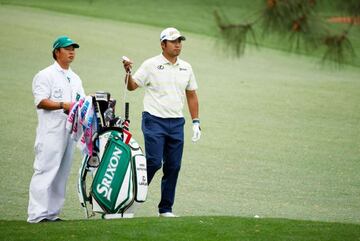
[127, 64]
[66, 106]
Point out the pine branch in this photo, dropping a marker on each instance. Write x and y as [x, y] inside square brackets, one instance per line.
[280, 15]
[339, 49]
[235, 36]
[306, 33]
[294, 20]
[351, 7]
[297, 21]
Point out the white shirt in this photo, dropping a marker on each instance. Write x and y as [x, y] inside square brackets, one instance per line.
[58, 85]
[165, 84]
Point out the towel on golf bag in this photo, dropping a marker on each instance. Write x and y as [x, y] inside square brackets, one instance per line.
[81, 123]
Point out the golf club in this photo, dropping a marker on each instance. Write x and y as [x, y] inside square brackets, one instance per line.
[126, 104]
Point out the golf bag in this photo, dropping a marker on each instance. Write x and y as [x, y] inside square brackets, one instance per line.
[113, 176]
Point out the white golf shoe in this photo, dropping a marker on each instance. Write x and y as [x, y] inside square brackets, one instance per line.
[167, 215]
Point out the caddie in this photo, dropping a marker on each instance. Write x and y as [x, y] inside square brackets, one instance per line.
[168, 81]
[54, 89]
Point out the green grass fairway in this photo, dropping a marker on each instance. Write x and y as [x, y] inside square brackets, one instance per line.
[194, 16]
[189, 228]
[280, 134]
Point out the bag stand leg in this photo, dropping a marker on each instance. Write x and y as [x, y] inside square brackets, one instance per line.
[130, 212]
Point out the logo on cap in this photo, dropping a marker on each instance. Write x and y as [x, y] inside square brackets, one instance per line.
[171, 34]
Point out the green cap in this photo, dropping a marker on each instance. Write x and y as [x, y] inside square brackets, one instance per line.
[64, 41]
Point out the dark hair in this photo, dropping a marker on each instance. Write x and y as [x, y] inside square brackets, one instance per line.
[165, 40]
[53, 54]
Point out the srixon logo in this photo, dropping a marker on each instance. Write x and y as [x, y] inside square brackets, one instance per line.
[104, 187]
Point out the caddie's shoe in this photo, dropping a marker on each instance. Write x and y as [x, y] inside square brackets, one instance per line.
[44, 220]
[167, 215]
[51, 220]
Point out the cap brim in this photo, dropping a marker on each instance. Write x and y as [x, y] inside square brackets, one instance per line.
[172, 39]
[75, 45]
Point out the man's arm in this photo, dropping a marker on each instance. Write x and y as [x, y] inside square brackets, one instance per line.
[47, 104]
[131, 85]
[193, 103]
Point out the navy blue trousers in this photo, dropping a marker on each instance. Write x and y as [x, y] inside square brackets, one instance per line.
[164, 144]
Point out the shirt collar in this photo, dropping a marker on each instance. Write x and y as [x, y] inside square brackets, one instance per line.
[58, 68]
[166, 61]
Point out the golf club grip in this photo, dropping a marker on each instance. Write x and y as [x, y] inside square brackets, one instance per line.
[126, 110]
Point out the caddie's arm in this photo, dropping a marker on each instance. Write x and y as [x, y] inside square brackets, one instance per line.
[47, 104]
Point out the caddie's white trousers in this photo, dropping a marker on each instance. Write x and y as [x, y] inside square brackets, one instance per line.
[53, 159]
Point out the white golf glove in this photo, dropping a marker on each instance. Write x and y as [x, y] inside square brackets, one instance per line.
[196, 130]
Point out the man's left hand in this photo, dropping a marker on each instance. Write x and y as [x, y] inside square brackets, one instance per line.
[196, 131]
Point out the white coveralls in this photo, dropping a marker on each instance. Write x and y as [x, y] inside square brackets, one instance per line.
[53, 146]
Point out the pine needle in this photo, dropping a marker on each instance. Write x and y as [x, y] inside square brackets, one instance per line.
[339, 49]
[235, 36]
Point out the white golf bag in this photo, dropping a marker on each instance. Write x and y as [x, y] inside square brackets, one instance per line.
[114, 176]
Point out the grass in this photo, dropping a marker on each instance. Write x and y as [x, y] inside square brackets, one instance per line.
[280, 134]
[188, 228]
[195, 16]
[150, 13]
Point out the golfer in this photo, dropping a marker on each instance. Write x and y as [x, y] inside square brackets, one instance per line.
[54, 88]
[167, 81]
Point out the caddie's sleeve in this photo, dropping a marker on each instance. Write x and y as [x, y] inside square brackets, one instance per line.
[192, 85]
[78, 93]
[79, 89]
[40, 88]
[82, 91]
